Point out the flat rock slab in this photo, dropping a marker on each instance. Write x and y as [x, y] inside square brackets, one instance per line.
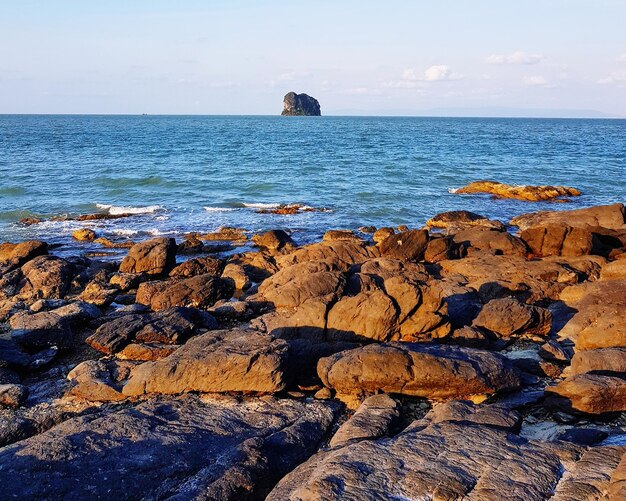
[445, 460]
[184, 448]
[589, 393]
[434, 372]
[219, 361]
[605, 216]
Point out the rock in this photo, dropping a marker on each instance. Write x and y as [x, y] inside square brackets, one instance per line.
[496, 276]
[457, 220]
[605, 216]
[99, 380]
[274, 240]
[528, 193]
[199, 266]
[598, 321]
[405, 246]
[191, 245]
[614, 271]
[337, 255]
[12, 395]
[439, 461]
[99, 294]
[433, 372]
[508, 317]
[602, 361]
[186, 448]
[554, 352]
[373, 419]
[40, 330]
[11, 356]
[220, 361]
[126, 281]
[201, 291]
[84, 235]
[440, 249]
[323, 394]
[153, 257]
[169, 326]
[341, 235]
[589, 393]
[496, 242]
[238, 275]
[8, 376]
[469, 336]
[223, 234]
[147, 351]
[559, 240]
[382, 234]
[15, 255]
[109, 244]
[43, 277]
[300, 105]
[464, 411]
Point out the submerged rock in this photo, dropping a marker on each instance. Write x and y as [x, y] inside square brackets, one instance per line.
[300, 104]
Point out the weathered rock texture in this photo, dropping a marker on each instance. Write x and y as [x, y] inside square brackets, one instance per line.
[529, 193]
[154, 257]
[300, 104]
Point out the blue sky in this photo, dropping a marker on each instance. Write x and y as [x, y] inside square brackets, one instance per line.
[361, 57]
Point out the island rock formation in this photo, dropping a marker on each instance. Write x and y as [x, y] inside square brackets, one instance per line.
[300, 105]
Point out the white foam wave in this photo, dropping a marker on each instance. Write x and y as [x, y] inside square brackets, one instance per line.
[124, 232]
[219, 209]
[453, 190]
[260, 205]
[116, 210]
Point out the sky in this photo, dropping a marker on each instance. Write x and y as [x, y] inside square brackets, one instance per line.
[420, 57]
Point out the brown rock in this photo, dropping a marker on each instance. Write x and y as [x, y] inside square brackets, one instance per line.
[440, 249]
[601, 360]
[201, 291]
[605, 216]
[238, 275]
[559, 240]
[99, 294]
[341, 235]
[615, 270]
[220, 361]
[589, 393]
[528, 193]
[406, 246]
[274, 240]
[456, 220]
[382, 234]
[84, 235]
[508, 317]
[153, 257]
[496, 242]
[14, 255]
[226, 234]
[147, 351]
[12, 395]
[99, 380]
[199, 266]
[339, 255]
[433, 372]
[109, 244]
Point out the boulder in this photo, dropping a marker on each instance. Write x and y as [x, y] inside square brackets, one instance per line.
[527, 193]
[373, 419]
[201, 291]
[507, 317]
[99, 380]
[457, 220]
[447, 460]
[153, 257]
[238, 275]
[40, 330]
[382, 234]
[11, 356]
[274, 240]
[219, 361]
[166, 448]
[146, 352]
[300, 105]
[464, 411]
[43, 277]
[338, 255]
[602, 361]
[126, 281]
[190, 245]
[559, 240]
[405, 246]
[341, 235]
[99, 293]
[598, 320]
[199, 266]
[170, 326]
[494, 241]
[440, 249]
[604, 216]
[615, 270]
[433, 372]
[589, 394]
[15, 255]
[12, 395]
[223, 234]
[84, 235]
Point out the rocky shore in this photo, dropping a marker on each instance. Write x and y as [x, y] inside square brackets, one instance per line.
[470, 359]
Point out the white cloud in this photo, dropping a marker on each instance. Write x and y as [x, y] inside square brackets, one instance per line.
[518, 57]
[535, 80]
[617, 77]
[621, 59]
[437, 73]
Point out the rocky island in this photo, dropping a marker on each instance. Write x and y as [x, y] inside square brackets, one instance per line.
[300, 105]
[456, 361]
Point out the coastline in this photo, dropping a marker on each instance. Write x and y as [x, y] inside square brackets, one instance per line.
[390, 349]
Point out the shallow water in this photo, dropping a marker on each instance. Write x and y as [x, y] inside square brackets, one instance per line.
[194, 173]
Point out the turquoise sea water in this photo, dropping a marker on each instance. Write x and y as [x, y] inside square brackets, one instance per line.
[195, 173]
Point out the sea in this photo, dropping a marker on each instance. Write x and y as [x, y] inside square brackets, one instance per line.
[181, 174]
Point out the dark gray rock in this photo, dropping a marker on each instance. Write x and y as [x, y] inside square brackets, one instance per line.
[185, 448]
[40, 330]
[300, 105]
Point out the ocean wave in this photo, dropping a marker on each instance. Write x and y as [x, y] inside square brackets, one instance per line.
[453, 190]
[260, 205]
[116, 210]
[219, 209]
